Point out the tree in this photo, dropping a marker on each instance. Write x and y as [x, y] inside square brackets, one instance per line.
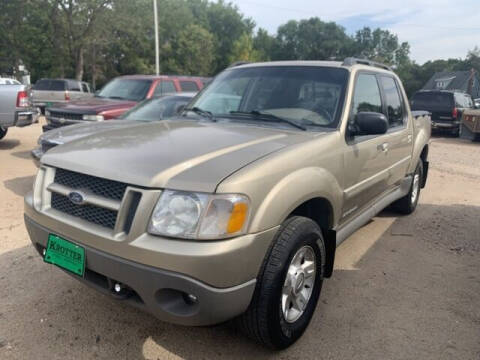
[226, 24]
[80, 19]
[264, 44]
[243, 50]
[382, 46]
[312, 39]
[191, 53]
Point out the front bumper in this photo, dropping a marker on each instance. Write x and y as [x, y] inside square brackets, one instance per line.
[160, 292]
[160, 272]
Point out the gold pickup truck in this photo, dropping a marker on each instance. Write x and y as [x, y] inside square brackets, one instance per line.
[470, 126]
[234, 208]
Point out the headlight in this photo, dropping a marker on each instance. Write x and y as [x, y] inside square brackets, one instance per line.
[199, 216]
[93, 117]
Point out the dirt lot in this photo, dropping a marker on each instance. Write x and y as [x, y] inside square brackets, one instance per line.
[404, 287]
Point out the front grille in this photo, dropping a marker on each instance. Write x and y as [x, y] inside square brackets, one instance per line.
[66, 115]
[102, 187]
[94, 214]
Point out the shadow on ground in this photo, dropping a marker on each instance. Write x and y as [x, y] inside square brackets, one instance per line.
[411, 298]
[22, 154]
[7, 144]
[21, 185]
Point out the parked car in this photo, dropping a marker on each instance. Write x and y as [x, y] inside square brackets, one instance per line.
[470, 126]
[234, 209]
[476, 102]
[446, 107]
[15, 107]
[153, 109]
[119, 95]
[8, 81]
[47, 92]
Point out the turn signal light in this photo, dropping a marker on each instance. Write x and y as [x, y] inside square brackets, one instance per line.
[237, 218]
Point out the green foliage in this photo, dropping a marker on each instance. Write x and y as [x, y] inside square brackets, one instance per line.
[243, 50]
[191, 52]
[312, 39]
[382, 46]
[100, 39]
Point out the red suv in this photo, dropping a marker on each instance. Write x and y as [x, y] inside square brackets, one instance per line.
[119, 95]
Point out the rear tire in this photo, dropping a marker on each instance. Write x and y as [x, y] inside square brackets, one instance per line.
[407, 204]
[456, 132]
[465, 133]
[3, 132]
[286, 293]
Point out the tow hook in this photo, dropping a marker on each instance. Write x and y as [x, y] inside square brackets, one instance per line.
[119, 290]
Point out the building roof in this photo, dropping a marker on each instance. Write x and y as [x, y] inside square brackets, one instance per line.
[448, 80]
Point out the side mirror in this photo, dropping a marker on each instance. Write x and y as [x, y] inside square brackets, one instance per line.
[180, 109]
[371, 123]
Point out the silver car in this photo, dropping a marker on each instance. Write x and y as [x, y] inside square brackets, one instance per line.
[49, 91]
[154, 109]
[15, 107]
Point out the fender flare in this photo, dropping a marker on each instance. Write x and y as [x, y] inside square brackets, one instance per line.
[292, 191]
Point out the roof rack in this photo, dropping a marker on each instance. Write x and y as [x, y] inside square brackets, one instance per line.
[238, 63]
[352, 61]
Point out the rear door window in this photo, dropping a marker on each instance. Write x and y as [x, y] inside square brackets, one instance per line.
[164, 87]
[188, 86]
[393, 102]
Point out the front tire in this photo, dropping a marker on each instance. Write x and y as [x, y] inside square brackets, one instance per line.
[407, 204]
[3, 132]
[288, 285]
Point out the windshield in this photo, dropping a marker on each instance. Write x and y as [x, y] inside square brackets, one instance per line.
[126, 89]
[310, 96]
[156, 109]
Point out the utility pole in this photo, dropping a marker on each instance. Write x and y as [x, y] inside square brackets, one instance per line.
[157, 55]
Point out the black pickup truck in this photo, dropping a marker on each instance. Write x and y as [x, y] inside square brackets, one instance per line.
[445, 106]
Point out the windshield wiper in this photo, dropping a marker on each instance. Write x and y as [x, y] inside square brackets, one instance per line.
[269, 117]
[116, 97]
[201, 112]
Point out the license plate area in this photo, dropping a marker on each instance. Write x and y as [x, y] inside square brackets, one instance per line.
[65, 254]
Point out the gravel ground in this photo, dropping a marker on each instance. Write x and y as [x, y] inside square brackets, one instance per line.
[403, 288]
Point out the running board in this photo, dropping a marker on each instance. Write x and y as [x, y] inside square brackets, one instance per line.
[381, 204]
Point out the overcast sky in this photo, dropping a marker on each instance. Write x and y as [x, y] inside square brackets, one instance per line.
[435, 29]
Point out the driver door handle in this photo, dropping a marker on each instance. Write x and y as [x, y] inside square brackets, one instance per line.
[383, 147]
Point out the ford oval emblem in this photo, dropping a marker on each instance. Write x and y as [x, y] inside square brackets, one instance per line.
[76, 197]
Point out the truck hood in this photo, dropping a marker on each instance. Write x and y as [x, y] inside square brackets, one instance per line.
[175, 154]
[93, 105]
[65, 134]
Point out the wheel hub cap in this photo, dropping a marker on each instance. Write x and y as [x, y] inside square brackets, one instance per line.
[299, 282]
